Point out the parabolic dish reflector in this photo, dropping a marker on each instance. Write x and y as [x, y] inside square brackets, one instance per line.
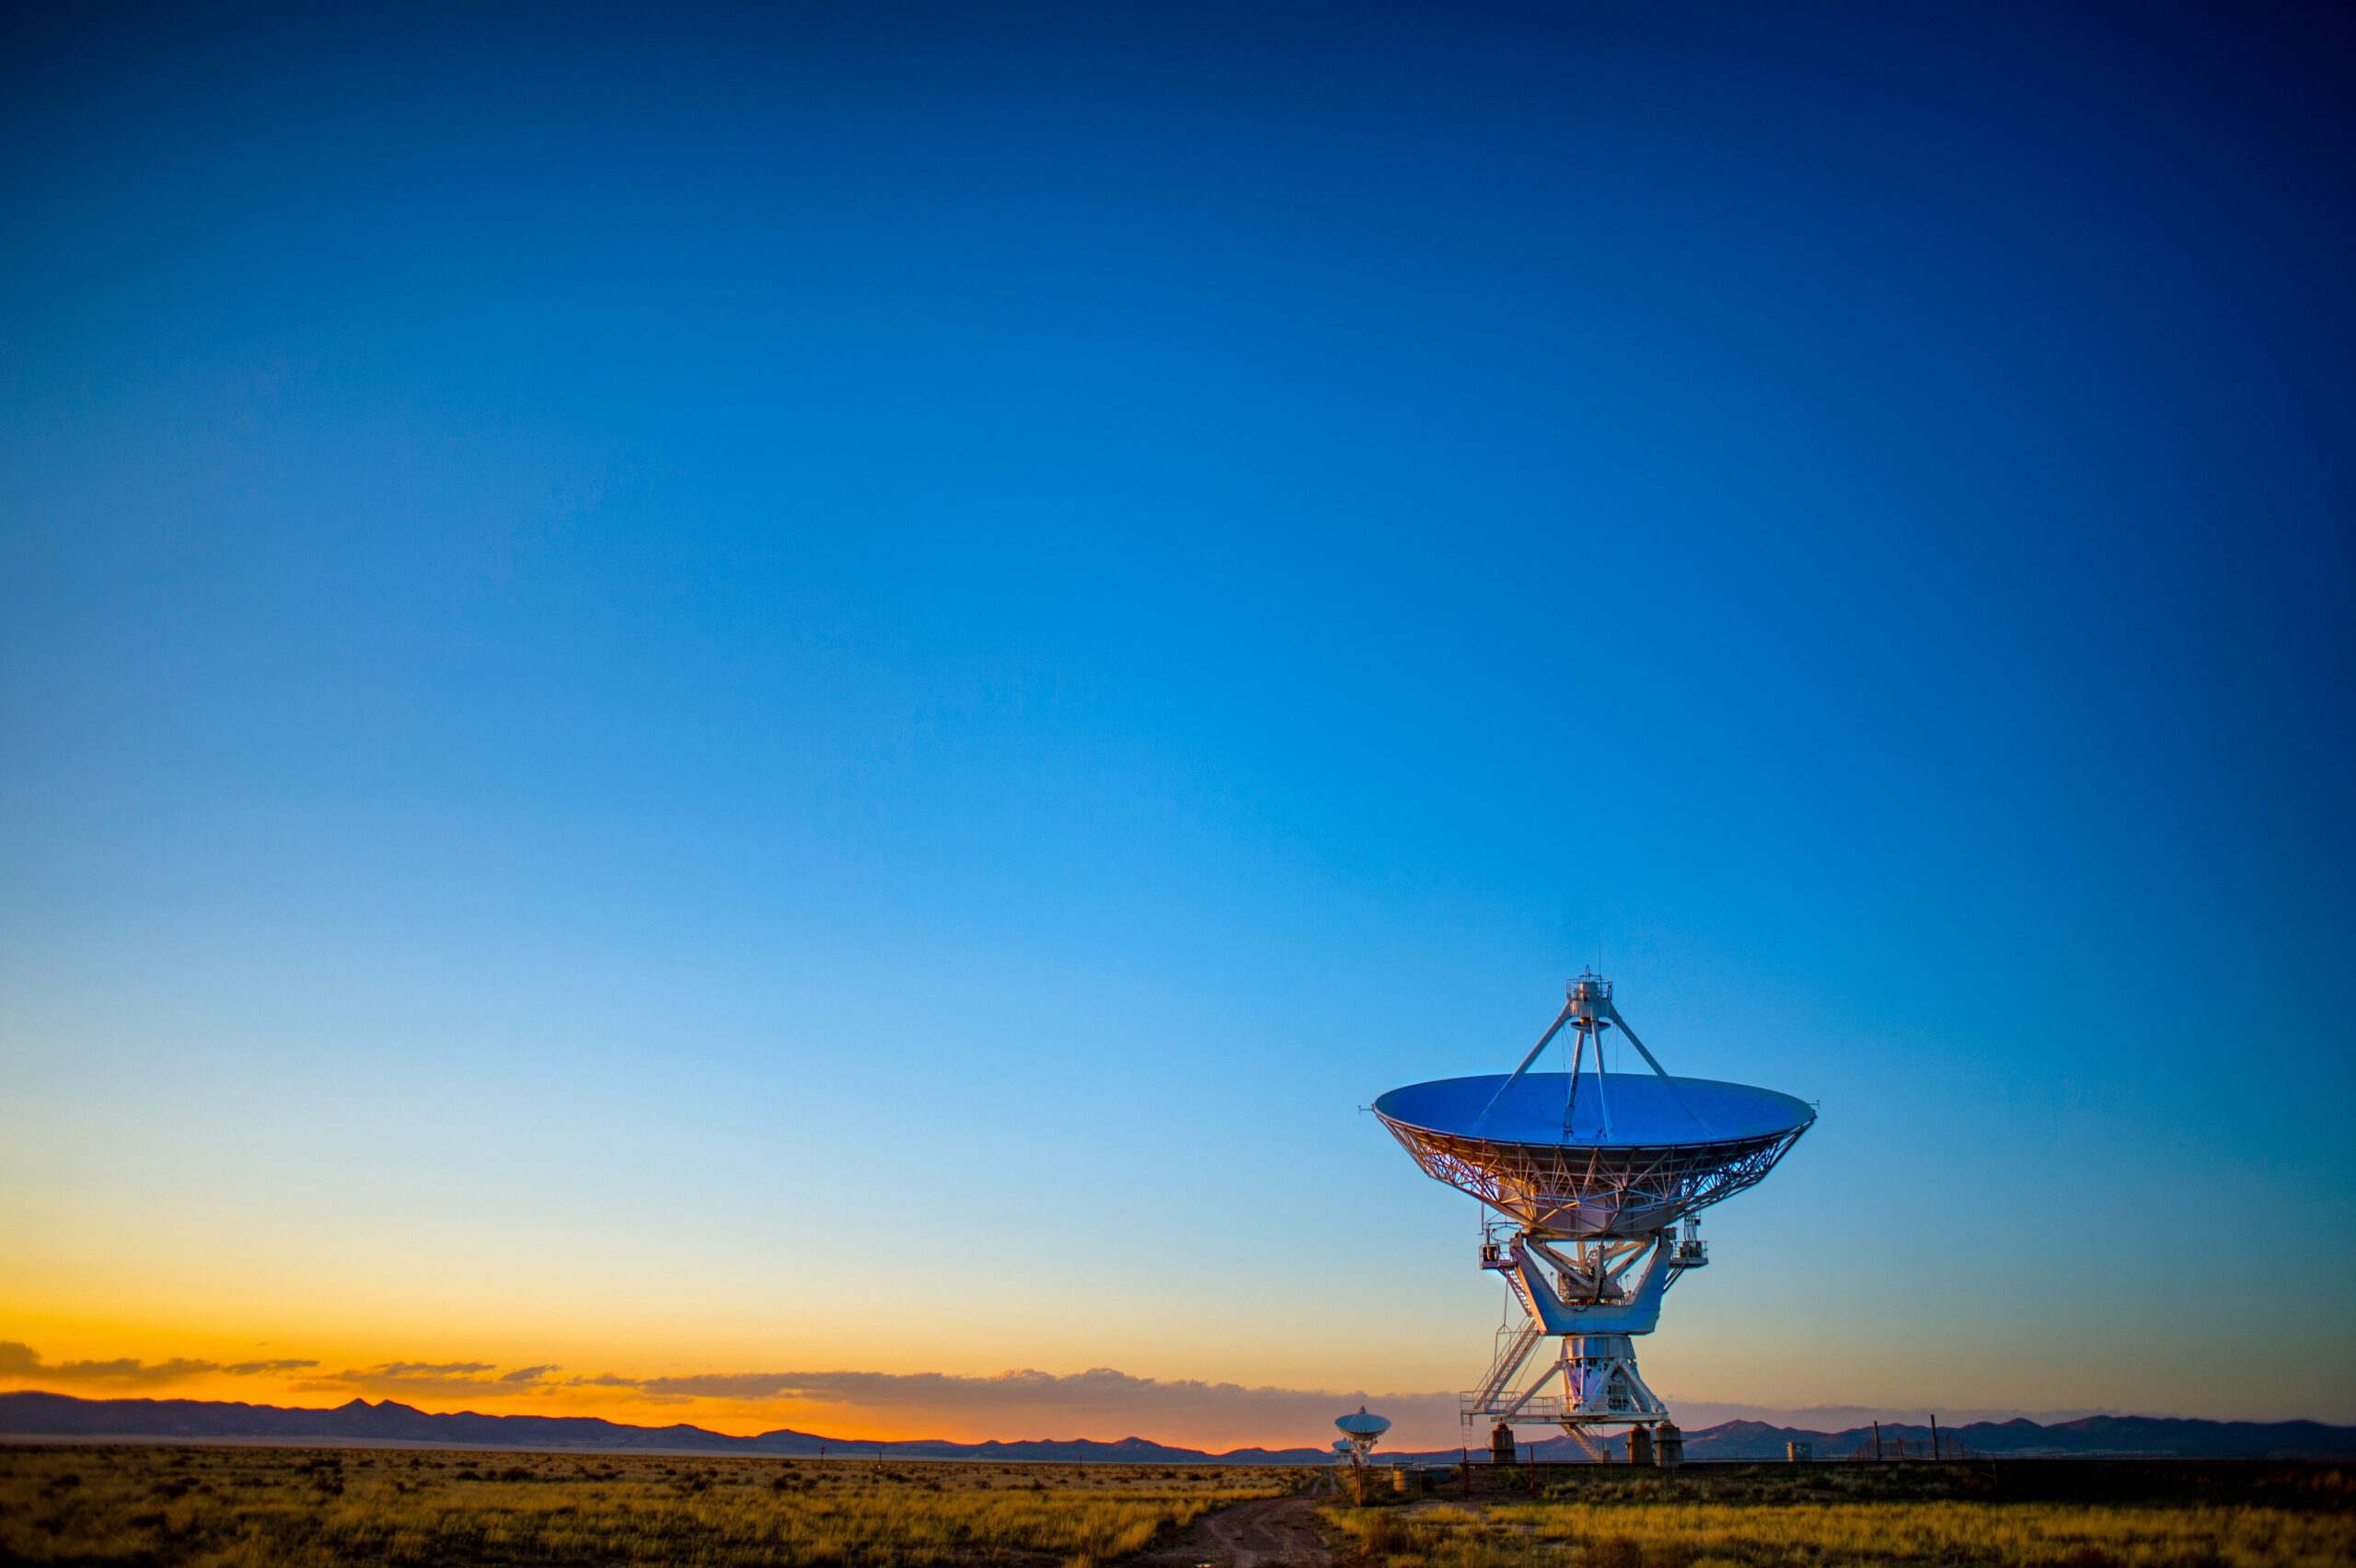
[1594, 1154]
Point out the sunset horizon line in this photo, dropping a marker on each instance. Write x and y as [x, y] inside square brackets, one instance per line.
[846, 1404]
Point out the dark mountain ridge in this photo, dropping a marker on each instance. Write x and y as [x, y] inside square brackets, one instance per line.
[38, 1415]
[2093, 1437]
[32, 1414]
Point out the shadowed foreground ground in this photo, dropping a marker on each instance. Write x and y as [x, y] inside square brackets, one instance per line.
[1975, 1515]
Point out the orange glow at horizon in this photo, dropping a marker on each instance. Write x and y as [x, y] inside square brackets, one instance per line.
[87, 1361]
[735, 1418]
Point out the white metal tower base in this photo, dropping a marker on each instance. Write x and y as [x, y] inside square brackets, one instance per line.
[1600, 1383]
[1578, 1294]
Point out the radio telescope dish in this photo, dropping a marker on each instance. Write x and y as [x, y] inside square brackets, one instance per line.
[1358, 1435]
[1609, 1154]
[1592, 1172]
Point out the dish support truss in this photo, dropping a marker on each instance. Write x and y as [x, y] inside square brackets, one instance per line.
[1565, 1191]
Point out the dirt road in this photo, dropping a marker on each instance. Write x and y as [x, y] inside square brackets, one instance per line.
[1274, 1532]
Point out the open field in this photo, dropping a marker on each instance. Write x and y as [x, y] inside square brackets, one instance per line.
[253, 1507]
[2122, 1515]
[137, 1506]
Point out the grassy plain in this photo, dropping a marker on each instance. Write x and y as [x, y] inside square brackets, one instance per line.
[137, 1506]
[1780, 1516]
[253, 1507]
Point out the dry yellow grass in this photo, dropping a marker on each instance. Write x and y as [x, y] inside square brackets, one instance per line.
[1839, 1535]
[240, 1507]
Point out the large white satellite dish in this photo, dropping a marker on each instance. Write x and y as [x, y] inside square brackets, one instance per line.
[1590, 1171]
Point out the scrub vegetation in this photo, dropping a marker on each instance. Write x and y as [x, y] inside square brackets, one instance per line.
[254, 1507]
[2291, 1517]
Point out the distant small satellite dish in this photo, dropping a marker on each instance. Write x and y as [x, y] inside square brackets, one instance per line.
[1359, 1433]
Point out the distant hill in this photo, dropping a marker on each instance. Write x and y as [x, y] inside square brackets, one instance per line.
[2093, 1437]
[34, 1415]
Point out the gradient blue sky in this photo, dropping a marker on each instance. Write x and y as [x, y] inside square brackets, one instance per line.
[687, 691]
